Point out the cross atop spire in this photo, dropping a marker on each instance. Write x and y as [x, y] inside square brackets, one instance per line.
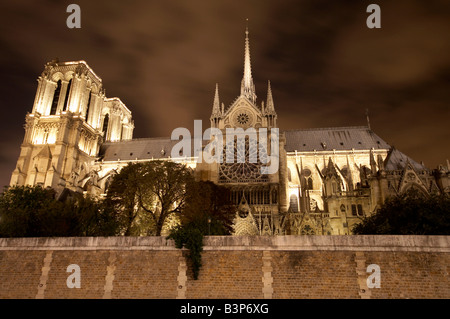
[247, 86]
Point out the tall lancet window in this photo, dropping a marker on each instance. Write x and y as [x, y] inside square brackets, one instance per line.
[105, 126]
[88, 105]
[310, 183]
[293, 203]
[56, 98]
[66, 99]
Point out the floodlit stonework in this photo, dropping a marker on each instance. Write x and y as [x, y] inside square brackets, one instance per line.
[77, 139]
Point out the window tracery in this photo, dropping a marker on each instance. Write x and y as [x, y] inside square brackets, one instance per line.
[246, 164]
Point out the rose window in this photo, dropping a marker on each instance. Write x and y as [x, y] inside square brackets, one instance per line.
[243, 118]
[246, 164]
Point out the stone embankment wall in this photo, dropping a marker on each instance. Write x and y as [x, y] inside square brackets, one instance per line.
[233, 267]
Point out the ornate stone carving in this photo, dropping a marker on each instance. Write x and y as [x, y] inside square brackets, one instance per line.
[242, 170]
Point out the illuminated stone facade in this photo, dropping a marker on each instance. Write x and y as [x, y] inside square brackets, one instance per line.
[328, 178]
[70, 119]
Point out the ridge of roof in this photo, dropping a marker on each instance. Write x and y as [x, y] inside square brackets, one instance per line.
[329, 128]
[137, 140]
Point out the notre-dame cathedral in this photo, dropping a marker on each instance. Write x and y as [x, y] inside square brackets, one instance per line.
[76, 139]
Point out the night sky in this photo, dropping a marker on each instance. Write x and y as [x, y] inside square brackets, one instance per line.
[163, 59]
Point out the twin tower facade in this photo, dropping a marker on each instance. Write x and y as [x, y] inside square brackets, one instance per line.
[76, 139]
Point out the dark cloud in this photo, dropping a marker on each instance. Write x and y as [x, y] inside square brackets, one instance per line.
[163, 59]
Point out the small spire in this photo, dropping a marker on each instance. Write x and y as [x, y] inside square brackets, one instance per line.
[270, 108]
[330, 163]
[367, 118]
[216, 105]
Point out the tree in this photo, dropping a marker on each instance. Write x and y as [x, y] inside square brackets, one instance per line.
[27, 211]
[209, 209]
[411, 213]
[153, 190]
[122, 195]
[21, 208]
[93, 217]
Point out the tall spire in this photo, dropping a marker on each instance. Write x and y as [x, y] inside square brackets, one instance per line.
[247, 86]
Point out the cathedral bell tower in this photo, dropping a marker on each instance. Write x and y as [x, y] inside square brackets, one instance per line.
[70, 119]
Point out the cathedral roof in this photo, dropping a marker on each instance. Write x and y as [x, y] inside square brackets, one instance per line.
[338, 138]
[396, 160]
[334, 138]
[306, 140]
[138, 149]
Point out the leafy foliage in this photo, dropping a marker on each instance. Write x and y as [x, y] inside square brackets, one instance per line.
[34, 212]
[147, 194]
[122, 195]
[21, 210]
[411, 213]
[190, 237]
[209, 209]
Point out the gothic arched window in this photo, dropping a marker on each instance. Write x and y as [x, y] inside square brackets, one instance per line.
[293, 203]
[56, 98]
[310, 183]
[105, 126]
[274, 196]
[360, 210]
[354, 212]
[66, 99]
[88, 106]
[307, 179]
